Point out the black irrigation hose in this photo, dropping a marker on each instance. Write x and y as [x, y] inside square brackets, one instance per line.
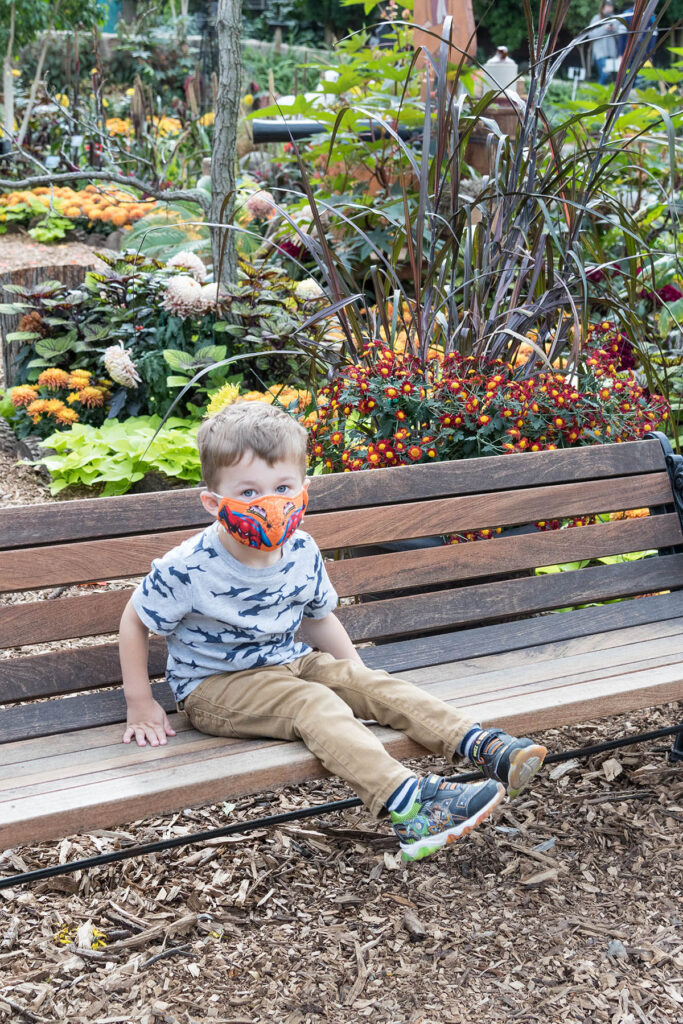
[280, 819]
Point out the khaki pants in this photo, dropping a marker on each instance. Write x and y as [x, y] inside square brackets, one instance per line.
[316, 699]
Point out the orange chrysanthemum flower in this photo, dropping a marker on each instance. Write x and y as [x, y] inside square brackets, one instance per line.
[91, 397]
[38, 407]
[65, 415]
[79, 379]
[53, 378]
[23, 394]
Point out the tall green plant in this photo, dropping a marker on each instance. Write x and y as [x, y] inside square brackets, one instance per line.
[506, 265]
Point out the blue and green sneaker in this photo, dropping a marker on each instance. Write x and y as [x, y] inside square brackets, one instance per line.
[443, 812]
[507, 759]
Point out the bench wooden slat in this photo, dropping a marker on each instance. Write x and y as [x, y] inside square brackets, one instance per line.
[60, 716]
[54, 673]
[108, 517]
[488, 602]
[71, 670]
[35, 568]
[265, 765]
[652, 646]
[376, 574]
[44, 621]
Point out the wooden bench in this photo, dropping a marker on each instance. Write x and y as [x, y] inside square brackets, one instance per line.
[471, 622]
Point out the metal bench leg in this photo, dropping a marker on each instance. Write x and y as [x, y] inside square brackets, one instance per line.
[676, 752]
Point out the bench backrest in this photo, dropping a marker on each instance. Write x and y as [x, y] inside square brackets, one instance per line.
[424, 595]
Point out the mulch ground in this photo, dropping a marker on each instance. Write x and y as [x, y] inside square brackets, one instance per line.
[566, 907]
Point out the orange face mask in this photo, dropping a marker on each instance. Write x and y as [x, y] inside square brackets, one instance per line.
[265, 522]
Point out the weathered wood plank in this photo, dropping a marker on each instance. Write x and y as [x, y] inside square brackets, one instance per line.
[487, 677]
[488, 602]
[107, 517]
[116, 558]
[377, 574]
[71, 671]
[43, 621]
[69, 714]
[263, 766]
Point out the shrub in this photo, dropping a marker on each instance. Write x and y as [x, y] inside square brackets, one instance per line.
[392, 410]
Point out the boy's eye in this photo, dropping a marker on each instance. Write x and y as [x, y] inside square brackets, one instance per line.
[282, 488]
[248, 492]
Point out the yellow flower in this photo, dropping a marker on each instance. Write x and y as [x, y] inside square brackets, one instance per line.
[93, 71]
[105, 102]
[62, 98]
[248, 100]
[54, 405]
[130, 92]
[16, 72]
[225, 396]
[207, 119]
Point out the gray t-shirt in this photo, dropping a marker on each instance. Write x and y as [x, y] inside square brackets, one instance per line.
[222, 616]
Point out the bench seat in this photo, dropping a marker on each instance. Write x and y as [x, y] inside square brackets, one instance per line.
[471, 622]
[86, 779]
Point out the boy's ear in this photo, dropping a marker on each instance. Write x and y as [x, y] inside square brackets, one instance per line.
[210, 502]
[307, 481]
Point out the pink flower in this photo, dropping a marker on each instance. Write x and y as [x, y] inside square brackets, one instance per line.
[261, 205]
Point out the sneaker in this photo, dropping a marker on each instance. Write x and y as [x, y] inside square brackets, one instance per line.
[507, 759]
[443, 812]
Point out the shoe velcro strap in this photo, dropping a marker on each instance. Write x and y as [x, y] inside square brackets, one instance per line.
[429, 787]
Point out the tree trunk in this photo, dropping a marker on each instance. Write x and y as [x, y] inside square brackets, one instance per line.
[223, 157]
[8, 85]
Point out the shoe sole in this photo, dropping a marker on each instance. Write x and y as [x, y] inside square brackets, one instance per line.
[432, 844]
[524, 764]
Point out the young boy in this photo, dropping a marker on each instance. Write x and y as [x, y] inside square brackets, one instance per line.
[230, 601]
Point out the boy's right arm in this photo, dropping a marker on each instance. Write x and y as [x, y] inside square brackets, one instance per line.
[147, 719]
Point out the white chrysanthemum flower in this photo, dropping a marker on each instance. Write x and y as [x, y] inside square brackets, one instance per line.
[210, 295]
[308, 289]
[191, 262]
[184, 297]
[120, 366]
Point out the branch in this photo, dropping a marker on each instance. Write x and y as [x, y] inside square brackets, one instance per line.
[191, 195]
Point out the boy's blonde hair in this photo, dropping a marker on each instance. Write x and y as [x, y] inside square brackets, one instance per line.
[266, 431]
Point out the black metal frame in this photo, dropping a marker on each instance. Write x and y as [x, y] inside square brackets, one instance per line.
[674, 466]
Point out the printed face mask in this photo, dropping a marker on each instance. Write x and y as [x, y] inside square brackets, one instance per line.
[265, 522]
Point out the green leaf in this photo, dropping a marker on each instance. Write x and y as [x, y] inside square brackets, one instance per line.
[211, 353]
[8, 308]
[51, 348]
[179, 360]
[23, 336]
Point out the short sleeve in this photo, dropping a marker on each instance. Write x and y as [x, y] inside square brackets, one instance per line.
[164, 597]
[325, 599]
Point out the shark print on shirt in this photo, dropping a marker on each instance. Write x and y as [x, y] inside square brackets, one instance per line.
[219, 615]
